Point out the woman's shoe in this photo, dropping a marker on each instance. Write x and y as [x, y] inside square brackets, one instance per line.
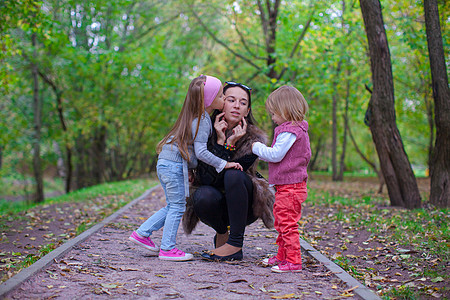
[213, 257]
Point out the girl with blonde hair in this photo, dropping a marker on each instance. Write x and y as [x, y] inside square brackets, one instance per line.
[288, 159]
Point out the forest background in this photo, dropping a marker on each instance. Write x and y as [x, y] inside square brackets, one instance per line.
[89, 87]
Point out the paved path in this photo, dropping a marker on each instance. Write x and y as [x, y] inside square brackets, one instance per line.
[102, 263]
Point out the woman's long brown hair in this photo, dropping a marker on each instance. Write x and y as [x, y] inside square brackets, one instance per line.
[193, 107]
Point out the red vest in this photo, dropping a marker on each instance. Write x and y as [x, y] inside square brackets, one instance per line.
[293, 167]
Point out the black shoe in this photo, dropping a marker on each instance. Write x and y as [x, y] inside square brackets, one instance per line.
[213, 257]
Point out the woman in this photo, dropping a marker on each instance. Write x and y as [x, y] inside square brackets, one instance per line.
[232, 198]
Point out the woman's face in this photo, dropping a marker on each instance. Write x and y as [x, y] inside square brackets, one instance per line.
[236, 105]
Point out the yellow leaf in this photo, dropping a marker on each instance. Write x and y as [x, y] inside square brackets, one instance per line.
[32, 238]
[50, 286]
[159, 275]
[286, 296]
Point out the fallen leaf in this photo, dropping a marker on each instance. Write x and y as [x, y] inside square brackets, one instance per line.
[286, 296]
[209, 287]
[109, 285]
[351, 289]
[238, 280]
[129, 269]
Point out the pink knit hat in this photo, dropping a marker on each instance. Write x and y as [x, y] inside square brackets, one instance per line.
[212, 87]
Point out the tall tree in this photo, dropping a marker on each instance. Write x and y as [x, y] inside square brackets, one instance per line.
[397, 171]
[37, 120]
[440, 164]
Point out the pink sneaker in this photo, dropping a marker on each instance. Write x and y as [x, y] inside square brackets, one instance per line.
[175, 255]
[143, 241]
[286, 266]
[271, 261]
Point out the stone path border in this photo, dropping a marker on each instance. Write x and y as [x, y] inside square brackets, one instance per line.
[12, 283]
[42, 263]
[361, 290]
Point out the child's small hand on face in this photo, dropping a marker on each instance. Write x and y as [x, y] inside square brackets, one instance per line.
[220, 125]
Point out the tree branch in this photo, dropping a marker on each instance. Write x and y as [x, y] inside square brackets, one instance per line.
[243, 41]
[300, 38]
[214, 37]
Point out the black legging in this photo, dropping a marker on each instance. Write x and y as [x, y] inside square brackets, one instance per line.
[233, 209]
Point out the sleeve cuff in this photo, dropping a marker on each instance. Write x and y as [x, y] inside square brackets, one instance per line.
[222, 166]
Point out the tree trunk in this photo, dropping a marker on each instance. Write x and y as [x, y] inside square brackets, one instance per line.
[334, 166]
[316, 151]
[440, 172]
[397, 171]
[269, 26]
[37, 123]
[340, 175]
[59, 107]
[98, 149]
[430, 118]
[69, 168]
[365, 158]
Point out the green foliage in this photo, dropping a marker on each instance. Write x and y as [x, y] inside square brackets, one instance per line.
[123, 67]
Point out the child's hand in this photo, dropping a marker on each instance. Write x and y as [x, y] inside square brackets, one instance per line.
[191, 176]
[233, 165]
[220, 126]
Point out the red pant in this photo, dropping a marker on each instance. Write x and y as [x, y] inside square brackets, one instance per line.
[287, 211]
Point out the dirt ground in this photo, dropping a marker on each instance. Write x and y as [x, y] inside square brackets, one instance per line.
[108, 265]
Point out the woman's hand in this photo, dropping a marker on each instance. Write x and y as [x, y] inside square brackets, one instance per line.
[233, 165]
[238, 131]
[220, 125]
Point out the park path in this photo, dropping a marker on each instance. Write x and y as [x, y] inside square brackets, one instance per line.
[107, 265]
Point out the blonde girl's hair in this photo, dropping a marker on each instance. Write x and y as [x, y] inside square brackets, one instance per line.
[288, 103]
[193, 107]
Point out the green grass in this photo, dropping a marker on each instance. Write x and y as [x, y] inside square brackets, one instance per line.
[132, 188]
[32, 258]
[402, 293]
[22, 186]
[345, 264]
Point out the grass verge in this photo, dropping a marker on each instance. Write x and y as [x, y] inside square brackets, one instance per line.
[131, 188]
[421, 238]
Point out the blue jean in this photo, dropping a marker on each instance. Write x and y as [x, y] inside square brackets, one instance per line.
[170, 174]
